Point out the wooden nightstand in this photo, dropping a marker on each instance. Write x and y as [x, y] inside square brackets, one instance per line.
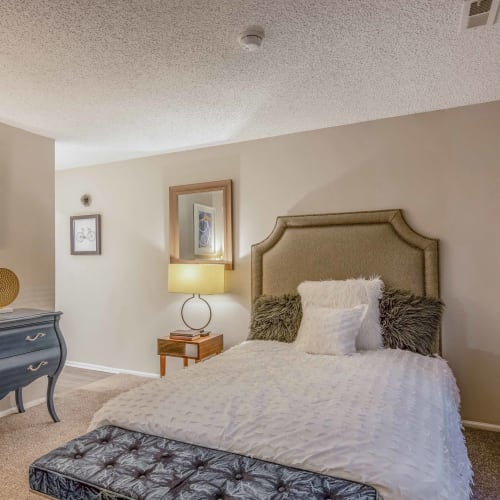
[189, 349]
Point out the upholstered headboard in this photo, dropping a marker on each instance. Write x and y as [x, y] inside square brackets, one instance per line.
[346, 245]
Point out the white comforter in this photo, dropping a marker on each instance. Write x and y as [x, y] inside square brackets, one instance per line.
[388, 418]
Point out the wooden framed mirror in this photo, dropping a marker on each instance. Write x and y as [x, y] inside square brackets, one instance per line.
[201, 223]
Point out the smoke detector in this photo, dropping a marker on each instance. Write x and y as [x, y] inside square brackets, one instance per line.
[478, 13]
[251, 39]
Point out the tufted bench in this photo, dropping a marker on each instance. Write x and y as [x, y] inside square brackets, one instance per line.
[111, 463]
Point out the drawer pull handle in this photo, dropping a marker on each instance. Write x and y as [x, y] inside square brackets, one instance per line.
[36, 368]
[39, 335]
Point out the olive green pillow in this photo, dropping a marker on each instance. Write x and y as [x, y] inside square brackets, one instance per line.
[276, 318]
[409, 321]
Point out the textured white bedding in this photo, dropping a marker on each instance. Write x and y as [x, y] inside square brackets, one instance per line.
[388, 418]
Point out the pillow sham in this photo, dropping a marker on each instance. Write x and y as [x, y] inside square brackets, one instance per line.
[330, 331]
[347, 294]
[409, 321]
[276, 318]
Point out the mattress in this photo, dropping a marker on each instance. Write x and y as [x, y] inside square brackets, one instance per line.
[387, 418]
[110, 463]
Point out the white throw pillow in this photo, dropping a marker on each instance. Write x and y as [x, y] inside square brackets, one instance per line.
[346, 294]
[324, 330]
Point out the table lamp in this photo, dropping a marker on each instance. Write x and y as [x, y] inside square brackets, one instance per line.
[196, 279]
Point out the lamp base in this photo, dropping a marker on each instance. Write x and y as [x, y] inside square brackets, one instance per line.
[201, 328]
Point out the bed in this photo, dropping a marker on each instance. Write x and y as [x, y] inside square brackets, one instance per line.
[386, 418]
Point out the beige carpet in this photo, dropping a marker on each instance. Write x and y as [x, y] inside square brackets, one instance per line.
[25, 437]
[484, 453]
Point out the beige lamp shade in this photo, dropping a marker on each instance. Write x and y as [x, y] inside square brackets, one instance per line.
[203, 279]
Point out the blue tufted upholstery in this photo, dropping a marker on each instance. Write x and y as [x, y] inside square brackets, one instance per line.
[111, 463]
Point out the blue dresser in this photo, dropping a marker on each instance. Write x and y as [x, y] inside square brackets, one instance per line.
[31, 346]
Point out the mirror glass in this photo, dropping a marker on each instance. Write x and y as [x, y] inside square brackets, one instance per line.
[201, 226]
[201, 223]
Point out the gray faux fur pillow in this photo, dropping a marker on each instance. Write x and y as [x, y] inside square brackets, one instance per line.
[276, 318]
[410, 322]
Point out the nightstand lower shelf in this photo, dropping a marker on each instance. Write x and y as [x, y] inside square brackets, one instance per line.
[198, 349]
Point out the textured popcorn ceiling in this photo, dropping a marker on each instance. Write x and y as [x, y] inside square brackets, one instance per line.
[115, 79]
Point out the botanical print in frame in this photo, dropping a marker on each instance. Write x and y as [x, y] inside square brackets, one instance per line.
[204, 229]
[85, 234]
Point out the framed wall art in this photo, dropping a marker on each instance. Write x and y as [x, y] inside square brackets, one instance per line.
[85, 233]
[204, 229]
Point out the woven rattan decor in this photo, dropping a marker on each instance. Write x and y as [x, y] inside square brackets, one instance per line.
[9, 286]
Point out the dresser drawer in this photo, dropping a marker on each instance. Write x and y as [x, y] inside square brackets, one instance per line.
[20, 370]
[27, 339]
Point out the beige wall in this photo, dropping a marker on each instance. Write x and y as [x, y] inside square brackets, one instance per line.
[442, 168]
[27, 223]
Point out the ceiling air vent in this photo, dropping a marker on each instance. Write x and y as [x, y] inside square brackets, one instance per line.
[478, 13]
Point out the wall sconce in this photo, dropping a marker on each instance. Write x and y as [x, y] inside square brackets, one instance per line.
[86, 200]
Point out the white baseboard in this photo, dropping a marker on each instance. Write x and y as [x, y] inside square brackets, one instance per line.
[109, 369]
[29, 404]
[481, 425]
